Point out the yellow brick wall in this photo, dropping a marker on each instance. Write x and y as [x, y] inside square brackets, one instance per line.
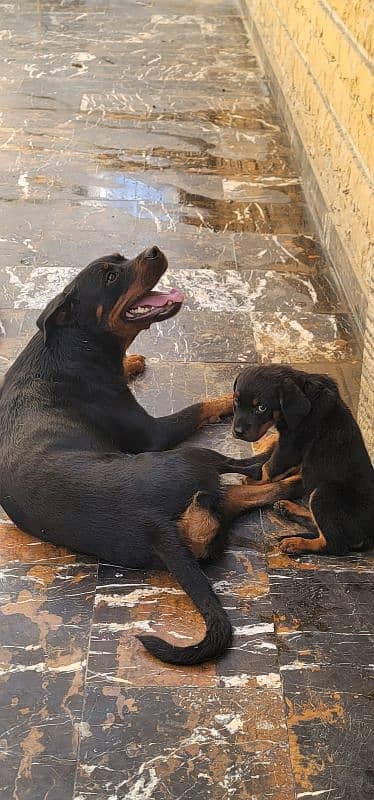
[321, 54]
[356, 16]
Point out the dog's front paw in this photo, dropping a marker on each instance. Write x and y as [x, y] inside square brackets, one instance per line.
[134, 365]
[215, 409]
[224, 405]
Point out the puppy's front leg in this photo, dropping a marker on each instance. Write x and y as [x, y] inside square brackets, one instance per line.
[284, 461]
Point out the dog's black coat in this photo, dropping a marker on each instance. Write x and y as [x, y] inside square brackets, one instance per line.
[80, 459]
[318, 432]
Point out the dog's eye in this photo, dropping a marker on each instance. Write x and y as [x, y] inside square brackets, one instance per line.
[235, 401]
[261, 408]
[111, 277]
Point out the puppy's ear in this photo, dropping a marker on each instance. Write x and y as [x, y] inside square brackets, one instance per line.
[293, 402]
[321, 390]
[57, 312]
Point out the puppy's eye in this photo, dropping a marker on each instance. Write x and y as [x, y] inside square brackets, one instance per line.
[235, 401]
[261, 408]
[111, 277]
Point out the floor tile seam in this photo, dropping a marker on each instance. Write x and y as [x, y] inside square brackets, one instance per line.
[84, 689]
[283, 690]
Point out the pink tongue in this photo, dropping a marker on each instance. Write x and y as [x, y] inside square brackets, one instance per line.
[159, 299]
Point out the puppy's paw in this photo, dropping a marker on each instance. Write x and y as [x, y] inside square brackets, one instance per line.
[134, 365]
[292, 545]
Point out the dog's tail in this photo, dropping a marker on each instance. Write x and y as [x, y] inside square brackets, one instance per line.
[182, 564]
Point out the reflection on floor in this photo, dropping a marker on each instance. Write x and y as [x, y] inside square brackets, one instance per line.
[126, 124]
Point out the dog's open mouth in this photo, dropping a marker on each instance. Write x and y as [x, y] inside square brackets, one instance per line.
[155, 305]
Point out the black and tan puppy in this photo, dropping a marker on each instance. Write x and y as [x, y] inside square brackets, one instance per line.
[81, 460]
[317, 436]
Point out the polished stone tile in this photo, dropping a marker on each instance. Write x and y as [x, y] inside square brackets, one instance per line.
[331, 743]
[204, 289]
[294, 253]
[214, 153]
[45, 608]
[40, 715]
[184, 338]
[45, 614]
[200, 336]
[166, 387]
[325, 633]
[201, 743]
[303, 337]
[130, 602]
[184, 246]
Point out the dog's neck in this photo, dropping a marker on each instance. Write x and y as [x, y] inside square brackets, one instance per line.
[72, 349]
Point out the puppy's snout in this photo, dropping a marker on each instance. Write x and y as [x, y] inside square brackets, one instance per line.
[239, 430]
[153, 252]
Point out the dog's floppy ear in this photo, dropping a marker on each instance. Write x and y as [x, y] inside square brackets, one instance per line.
[322, 390]
[56, 313]
[294, 404]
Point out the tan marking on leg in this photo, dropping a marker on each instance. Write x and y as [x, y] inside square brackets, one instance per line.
[99, 313]
[212, 410]
[265, 474]
[199, 527]
[238, 499]
[298, 544]
[134, 365]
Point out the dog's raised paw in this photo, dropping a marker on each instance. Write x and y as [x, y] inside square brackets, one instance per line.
[134, 365]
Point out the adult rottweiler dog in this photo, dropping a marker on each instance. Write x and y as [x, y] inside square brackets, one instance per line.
[82, 462]
[318, 437]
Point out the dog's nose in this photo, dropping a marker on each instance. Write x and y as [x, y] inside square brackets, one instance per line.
[239, 431]
[153, 252]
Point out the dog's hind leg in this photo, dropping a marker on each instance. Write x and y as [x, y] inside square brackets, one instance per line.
[251, 466]
[238, 499]
[200, 525]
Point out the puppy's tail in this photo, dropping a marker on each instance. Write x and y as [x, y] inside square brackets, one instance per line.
[182, 564]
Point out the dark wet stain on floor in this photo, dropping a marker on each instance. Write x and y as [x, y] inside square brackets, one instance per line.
[125, 124]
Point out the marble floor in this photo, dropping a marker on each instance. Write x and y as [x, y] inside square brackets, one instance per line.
[128, 123]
